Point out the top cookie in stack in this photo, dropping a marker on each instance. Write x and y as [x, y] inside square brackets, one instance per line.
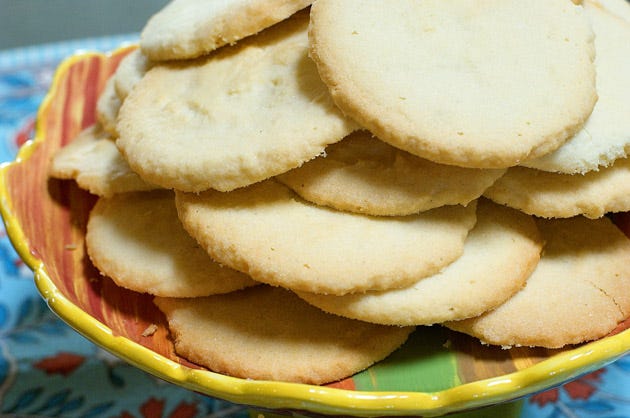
[484, 84]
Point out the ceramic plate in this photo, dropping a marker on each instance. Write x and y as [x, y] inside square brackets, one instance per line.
[437, 371]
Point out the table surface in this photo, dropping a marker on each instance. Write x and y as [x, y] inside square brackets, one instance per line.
[47, 369]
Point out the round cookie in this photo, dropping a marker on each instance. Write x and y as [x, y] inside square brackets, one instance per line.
[94, 162]
[578, 292]
[129, 72]
[556, 195]
[606, 134]
[268, 333]
[186, 29]
[246, 113]
[107, 108]
[483, 84]
[137, 240]
[266, 231]
[500, 253]
[364, 175]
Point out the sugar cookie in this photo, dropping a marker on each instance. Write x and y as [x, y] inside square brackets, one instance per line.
[606, 134]
[578, 292]
[500, 253]
[107, 107]
[138, 241]
[129, 72]
[186, 29]
[95, 163]
[268, 333]
[484, 84]
[556, 195]
[246, 113]
[266, 231]
[364, 175]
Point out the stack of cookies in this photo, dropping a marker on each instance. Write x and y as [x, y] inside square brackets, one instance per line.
[300, 185]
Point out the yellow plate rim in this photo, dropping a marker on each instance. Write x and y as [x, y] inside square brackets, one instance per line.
[280, 395]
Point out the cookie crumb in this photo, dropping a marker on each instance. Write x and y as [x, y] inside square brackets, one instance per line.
[150, 330]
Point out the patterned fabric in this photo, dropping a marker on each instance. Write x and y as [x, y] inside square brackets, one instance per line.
[47, 369]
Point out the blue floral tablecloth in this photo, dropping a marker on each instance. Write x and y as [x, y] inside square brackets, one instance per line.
[47, 369]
